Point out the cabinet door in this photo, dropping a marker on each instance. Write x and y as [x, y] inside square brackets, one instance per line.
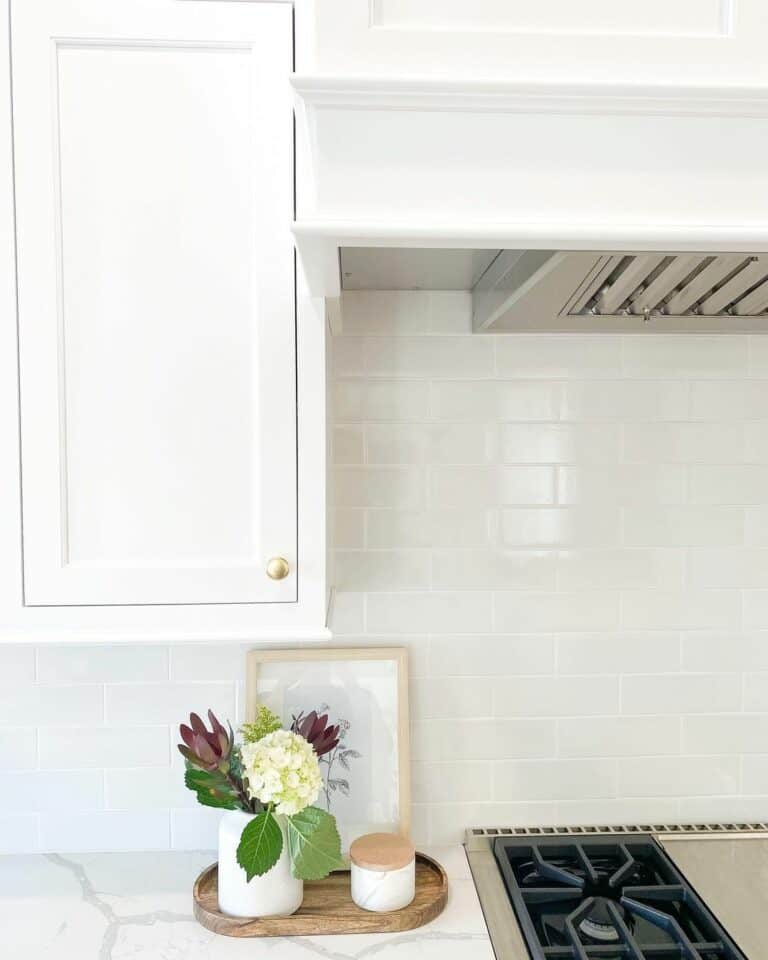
[154, 184]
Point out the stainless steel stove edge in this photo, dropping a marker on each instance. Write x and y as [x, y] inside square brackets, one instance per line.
[503, 928]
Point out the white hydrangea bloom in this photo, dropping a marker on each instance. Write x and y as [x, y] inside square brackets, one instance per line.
[282, 769]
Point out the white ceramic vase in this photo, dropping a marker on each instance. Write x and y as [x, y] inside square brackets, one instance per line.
[276, 894]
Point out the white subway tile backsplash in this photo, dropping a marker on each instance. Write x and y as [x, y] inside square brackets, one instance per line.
[738, 400]
[681, 610]
[80, 748]
[625, 400]
[681, 694]
[756, 692]
[451, 697]
[555, 696]
[556, 612]
[347, 529]
[560, 443]
[554, 779]
[755, 774]
[348, 444]
[738, 733]
[151, 789]
[196, 829]
[439, 612]
[684, 526]
[678, 776]
[614, 569]
[18, 748]
[17, 664]
[684, 357]
[65, 705]
[467, 358]
[97, 664]
[403, 487]
[457, 443]
[684, 443]
[491, 655]
[449, 527]
[494, 400]
[490, 486]
[18, 833]
[591, 526]
[719, 651]
[622, 485]
[493, 570]
[382, 570]
[136, 703]
[556, 357]
[451, 781]
[35, 791]
[372, 400]
[728, 484]
[105, 830]
[618, 653]
[618, 736]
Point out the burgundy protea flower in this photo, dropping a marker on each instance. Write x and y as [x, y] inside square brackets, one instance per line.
[317, 731]
[208, 750]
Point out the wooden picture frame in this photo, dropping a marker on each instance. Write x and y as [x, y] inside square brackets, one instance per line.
[277, 665]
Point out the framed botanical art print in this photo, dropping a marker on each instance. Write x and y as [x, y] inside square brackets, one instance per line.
[363, 692]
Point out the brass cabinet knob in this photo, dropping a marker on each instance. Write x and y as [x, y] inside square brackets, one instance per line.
[277, 568]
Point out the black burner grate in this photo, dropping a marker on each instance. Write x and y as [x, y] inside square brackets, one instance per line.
[607, 898]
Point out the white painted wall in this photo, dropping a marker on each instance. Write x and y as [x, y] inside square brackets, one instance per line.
[570, 535]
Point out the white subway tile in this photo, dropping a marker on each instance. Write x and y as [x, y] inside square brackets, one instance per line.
[684, 443]
[572, 357]
[457, 443]
[490, 486]
[756, 442]
[721, 652]
[728, 484]
[624, 400]
[382, 570]
[555, 696]
[618, 736]
[561, 443]
[684, 526]
[756, 525]
[685, 357]
[491, 655]
[728, 567]
[722, 809]
[617, 653]
[347, 529]
[726, 733]
[111, 830]
[33, 791]
[95, 747]
[486, 739]
[555, 612]
[451, 527]
[18, 748]
[379, 487]
[447, 782]
[96, 663]
[348, 444]
[681, 610]
[494, 569]
[615, 569]
[347, 356]
[619, 811]
[346, 615]
[371, 400]
[678, 776]
[729, 400]
[493, 400]
[17, 663]
[466, 358]
[48, 704]
[195, 829]
[622, 485]
[554, 779]
[591, 526]
[434, 698]
[439, 612]
[155, 789]
[448, 821]
[755, 609]
[681, 694]
[756, 692]
[758, 355]
[18, 833]
[167, 702]
[755, 773]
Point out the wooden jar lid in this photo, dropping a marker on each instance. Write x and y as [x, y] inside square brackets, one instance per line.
[381, 851]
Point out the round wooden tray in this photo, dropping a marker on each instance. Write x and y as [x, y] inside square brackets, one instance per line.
[327, 907]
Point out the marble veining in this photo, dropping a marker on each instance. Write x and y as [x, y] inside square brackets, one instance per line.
[136, 906]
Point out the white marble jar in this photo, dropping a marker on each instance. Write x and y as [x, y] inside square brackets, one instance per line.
[276, 894]
[383, 868]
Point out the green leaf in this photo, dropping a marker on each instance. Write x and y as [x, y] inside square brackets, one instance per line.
[260, 845]
[212, 788]
[314, 844]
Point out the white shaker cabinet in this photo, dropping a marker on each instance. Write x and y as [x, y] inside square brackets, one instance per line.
[157, 323]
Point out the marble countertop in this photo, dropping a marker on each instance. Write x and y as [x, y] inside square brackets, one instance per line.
[137, 906]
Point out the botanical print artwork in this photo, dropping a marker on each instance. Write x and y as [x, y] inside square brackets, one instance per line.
[332, 748]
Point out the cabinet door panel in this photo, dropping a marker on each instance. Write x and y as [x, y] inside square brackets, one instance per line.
[154, 190]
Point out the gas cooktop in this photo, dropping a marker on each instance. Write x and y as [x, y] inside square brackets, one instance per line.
[607, 898]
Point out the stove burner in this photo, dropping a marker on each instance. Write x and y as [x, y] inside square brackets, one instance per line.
[599, 925]
[607, 897]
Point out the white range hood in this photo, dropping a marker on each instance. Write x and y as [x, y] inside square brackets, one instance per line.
[605, 208]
